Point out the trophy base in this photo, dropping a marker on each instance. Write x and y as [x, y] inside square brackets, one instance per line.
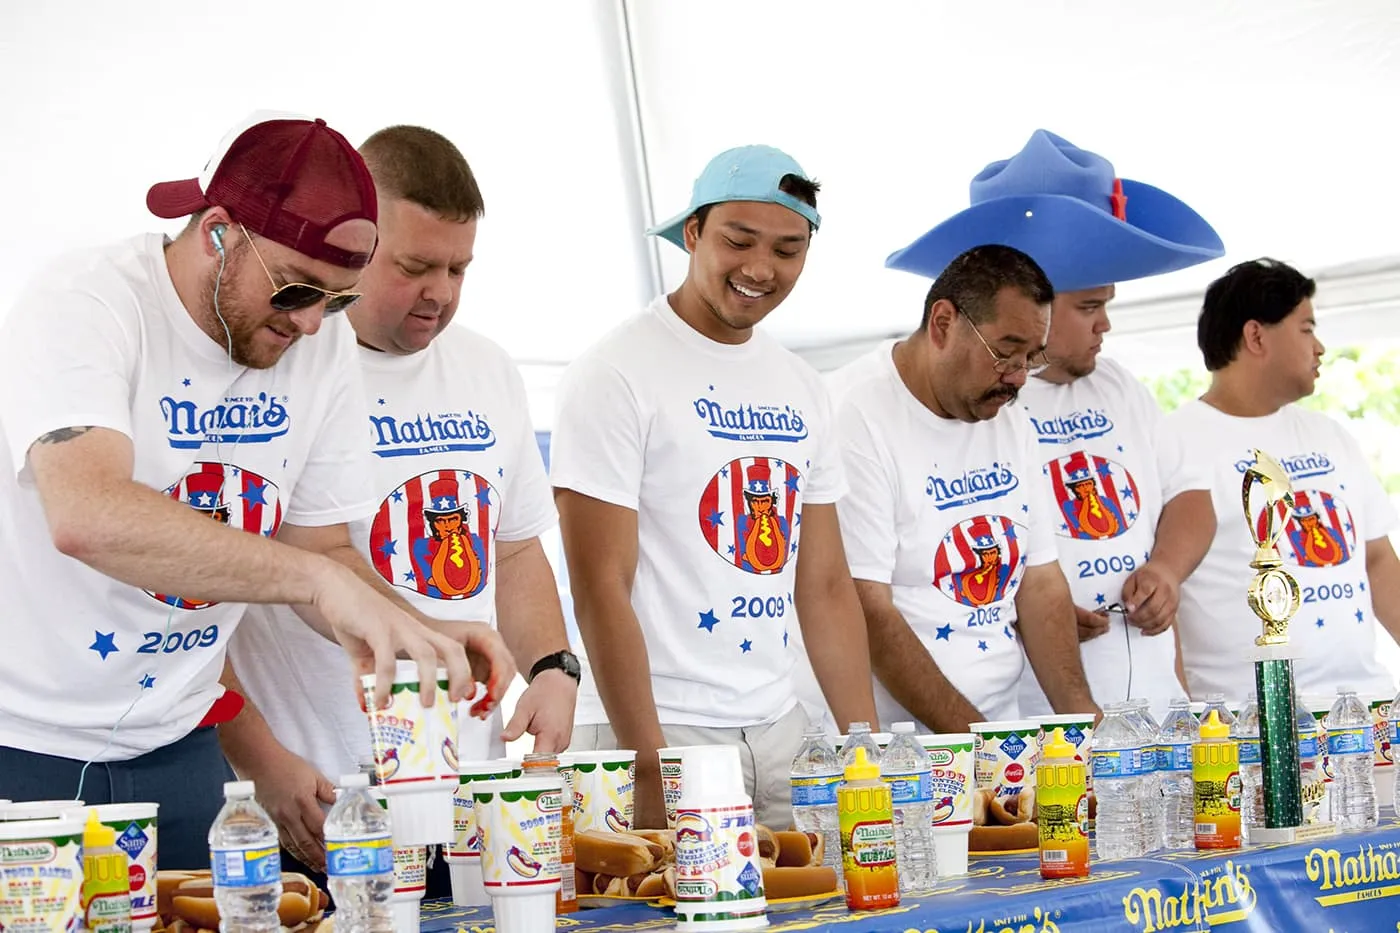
[1284, 835]
[1273, 653]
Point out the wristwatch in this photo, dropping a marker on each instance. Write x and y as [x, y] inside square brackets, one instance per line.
[565, 661]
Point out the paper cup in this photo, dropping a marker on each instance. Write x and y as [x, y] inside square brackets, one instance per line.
[410, 883]
[950, 850]
[135, 826]
[42, 810]
[1319, 707]
[953, 775]
[671, 779]
[1079, 732]
[415, 756]
[1380, 724]
[43, 873]
[719, 883]
[1006, 755]
[604, 782]
[465, 844]
[516, 765]
[520, 824]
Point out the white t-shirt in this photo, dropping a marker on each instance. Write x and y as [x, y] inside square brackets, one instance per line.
[717, 448]
[946, 513]
[1339, 506]
[103, 340]
[456, 471]
[1108, 466]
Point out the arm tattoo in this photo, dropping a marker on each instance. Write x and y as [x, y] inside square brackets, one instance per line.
[63, 434]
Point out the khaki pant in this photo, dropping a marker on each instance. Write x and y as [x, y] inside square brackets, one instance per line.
[765, 753]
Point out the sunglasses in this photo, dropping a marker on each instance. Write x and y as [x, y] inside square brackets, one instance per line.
[297, 295]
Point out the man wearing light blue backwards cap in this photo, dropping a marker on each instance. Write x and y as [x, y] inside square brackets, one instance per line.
[1132, 516]
[691, 454]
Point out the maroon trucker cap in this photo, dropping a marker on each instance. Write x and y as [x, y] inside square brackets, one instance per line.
[291, 179]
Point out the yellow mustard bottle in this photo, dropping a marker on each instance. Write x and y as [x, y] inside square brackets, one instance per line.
[867, 836]
[106, 880]
[1062, 810]
[1215, 769]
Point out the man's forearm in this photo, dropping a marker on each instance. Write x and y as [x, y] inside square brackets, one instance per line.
[1184, 533]
[247, 739]
[906, 668]
[1045, 615]
[1383, 576]
[617, 651]
[528, 613]
[833, 629]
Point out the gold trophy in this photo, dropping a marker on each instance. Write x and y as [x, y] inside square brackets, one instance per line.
[1274, 597]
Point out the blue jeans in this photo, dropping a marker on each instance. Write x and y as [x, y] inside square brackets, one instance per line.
[186, 778]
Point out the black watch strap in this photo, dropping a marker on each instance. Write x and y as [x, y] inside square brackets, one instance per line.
[565, 661]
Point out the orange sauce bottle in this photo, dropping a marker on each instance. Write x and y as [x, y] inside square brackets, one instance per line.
[867, 837]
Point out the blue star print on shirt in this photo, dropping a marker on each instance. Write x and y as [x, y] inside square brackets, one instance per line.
[708, 620]
[104, 643]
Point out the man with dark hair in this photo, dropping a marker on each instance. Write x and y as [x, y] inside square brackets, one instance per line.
[153, 375]
[1257, 334]
[461, 499]
[953, 553]
[695, 469]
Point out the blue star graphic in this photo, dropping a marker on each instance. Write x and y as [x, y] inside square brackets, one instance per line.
[797, 519]
[793, 549]
[731, 550]
[1045, 471]
[809, 464]
[1064, 527]
[147, 682]
[746, 646]
[1342, 487]
[184, 382]
[791, 483]
[1347, 526]
[409, 576]
[1362, 586]
[715, 519]
[789, 599]
[1126, 492]
[1132, 516]
[982, 646]
[389, 548]
[712, 388]
[397, 496]
[500, 471]
[785, 638]
[104, 643]
[1006, 629]
[708, 620]
[1011, 533]
[724, 472]
[255, 492]
[945, 633]
[1360, 616]
[1025, 508]
[483, 496]
[381, 401]
[1100, 598]
[1120, 448]
[1320, 623]
[1104, 470]
[267, 533]
[235, 471]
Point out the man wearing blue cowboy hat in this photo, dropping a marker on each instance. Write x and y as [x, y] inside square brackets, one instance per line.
[1132, 517]
[695, 469]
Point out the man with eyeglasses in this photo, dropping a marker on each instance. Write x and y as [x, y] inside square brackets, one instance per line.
[1132, 517]
[148, 385]
[952, 551]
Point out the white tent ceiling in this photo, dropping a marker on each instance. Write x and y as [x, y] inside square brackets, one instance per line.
[584, 118]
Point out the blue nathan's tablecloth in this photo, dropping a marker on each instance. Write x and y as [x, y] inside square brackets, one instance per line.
[1345, 883]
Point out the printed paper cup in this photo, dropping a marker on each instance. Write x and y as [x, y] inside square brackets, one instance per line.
[43, 810]
[1380, 723]
[1320, 706]
[953, 773]
[135, 826]
[41, 885]
[521, 823]
[1079, 732]
[465, 844]
[410, 882]
[415, 756]
[671, 779]
[1006, 755]
[605, 785]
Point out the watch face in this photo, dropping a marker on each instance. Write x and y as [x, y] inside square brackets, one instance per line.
[571, 665]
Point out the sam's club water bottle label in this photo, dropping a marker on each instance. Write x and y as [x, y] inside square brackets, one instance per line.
[347, 858]
[910, 788]
[1249, 754]
[1177, 757]
[245, 868]
[815, 791]
[1351, 740]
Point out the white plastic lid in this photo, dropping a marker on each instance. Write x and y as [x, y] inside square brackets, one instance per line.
[236, 789]
[359, 779]
[715, 768]
[901, 728]
[1345, 689]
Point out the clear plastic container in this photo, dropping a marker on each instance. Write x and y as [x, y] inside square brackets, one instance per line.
[859, 736]
[246, 863]
[1180, 732]
[1115, 758]
[1245, 731]
[1149, 774]
[905, 767]
[815, 776]
[1352, 749]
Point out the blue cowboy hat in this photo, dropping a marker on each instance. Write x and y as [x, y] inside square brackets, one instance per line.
[1067, 209]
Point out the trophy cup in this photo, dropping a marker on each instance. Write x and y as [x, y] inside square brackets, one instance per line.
[1274, 598]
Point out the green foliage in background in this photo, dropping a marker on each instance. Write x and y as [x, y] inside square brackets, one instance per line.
[1359, 385]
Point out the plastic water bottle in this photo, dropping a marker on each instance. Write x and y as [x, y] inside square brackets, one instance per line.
[1115, 759]
[1310, 776]
[1394, 726]
[359, 859]
[1150, 801]
[905, 767]
[1216, 701]
[246, 863]
[1351, 744]
[1180, 732]
[858, 736]
[1245, 731]
[814, 779]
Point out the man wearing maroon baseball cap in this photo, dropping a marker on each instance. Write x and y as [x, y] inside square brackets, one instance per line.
[147, 387]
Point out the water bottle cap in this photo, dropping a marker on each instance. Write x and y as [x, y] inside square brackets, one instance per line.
[1213, 728]
[858, 727]
[902, 728]
[1058, 746]
[1179, 703]
[349, 781]
[238, 789]
[861, 767]
[1343, 691]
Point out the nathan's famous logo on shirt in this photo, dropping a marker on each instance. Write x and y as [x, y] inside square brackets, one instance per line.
[1075, 426]
[749, 422]
[245, 419]
[1299, 466]
[749, 512]
[1321, 531]
[428, 434]
[1098, 498]
[980, 561]
[434, 534]
[229, 495]
[975, 485]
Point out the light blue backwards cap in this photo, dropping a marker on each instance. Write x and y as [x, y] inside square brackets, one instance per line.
[748, 173]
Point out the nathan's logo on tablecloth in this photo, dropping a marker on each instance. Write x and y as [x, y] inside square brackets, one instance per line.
[1204, 904]
[1365, 873]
